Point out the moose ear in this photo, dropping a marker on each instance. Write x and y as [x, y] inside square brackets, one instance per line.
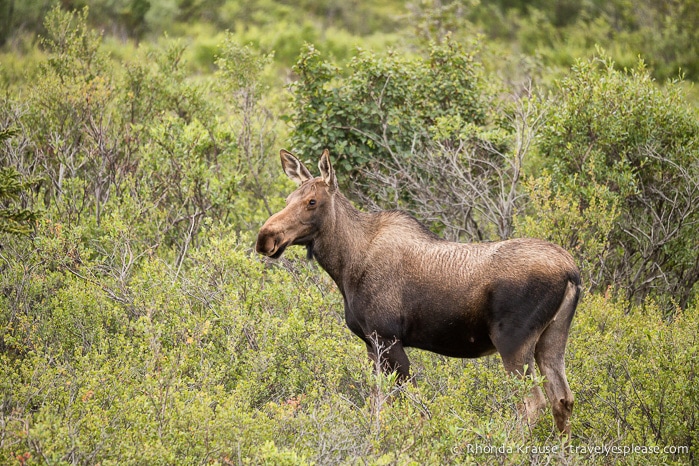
[327, 172]
[293, 167]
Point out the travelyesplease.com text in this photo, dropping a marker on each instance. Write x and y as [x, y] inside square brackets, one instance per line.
[591, 450]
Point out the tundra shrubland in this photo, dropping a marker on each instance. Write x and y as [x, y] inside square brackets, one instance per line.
[138, 326]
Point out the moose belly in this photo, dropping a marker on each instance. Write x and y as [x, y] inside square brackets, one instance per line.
[450, 338]
[448, 325]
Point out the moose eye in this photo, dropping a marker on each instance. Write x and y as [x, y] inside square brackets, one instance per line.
[312, 203]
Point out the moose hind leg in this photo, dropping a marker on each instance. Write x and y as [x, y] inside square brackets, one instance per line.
[549, 353]
[557, 389]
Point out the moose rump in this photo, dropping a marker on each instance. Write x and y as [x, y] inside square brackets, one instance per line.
[405, 287]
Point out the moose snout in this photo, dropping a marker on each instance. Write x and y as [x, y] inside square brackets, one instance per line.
[268, 242]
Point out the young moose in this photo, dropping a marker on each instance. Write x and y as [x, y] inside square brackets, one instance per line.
[410, 288]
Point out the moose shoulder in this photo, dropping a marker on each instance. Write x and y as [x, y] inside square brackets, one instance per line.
[405, 287]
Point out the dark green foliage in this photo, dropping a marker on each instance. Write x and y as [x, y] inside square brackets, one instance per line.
[6, 12]
[387, 105]
[15, 217]
[559, 32]
[555, 33]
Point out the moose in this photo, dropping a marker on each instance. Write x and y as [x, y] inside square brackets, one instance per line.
[403, 286]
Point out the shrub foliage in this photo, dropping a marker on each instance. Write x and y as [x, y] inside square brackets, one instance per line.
[615, 135]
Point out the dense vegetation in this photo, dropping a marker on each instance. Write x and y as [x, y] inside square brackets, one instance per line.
[138, 158]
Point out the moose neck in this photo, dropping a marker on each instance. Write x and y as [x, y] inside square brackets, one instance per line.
[340, 247]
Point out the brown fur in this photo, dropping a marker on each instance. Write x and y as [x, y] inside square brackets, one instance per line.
[411, 288]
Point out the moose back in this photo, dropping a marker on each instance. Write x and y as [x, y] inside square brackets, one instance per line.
[403, 286]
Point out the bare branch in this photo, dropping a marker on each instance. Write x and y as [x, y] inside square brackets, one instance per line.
[466, 188]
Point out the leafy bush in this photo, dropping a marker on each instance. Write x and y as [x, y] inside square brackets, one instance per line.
[14, 218]
[636, 390]
[616, 134]
[386, 106]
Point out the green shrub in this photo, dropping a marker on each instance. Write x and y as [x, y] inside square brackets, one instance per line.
[14, 218]
[634, 374]
[386, 106]
[617, 134]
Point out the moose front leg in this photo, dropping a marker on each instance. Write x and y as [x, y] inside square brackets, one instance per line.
[388, 355]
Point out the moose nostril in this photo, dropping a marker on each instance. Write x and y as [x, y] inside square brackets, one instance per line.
[261, 245]
[266, 243]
